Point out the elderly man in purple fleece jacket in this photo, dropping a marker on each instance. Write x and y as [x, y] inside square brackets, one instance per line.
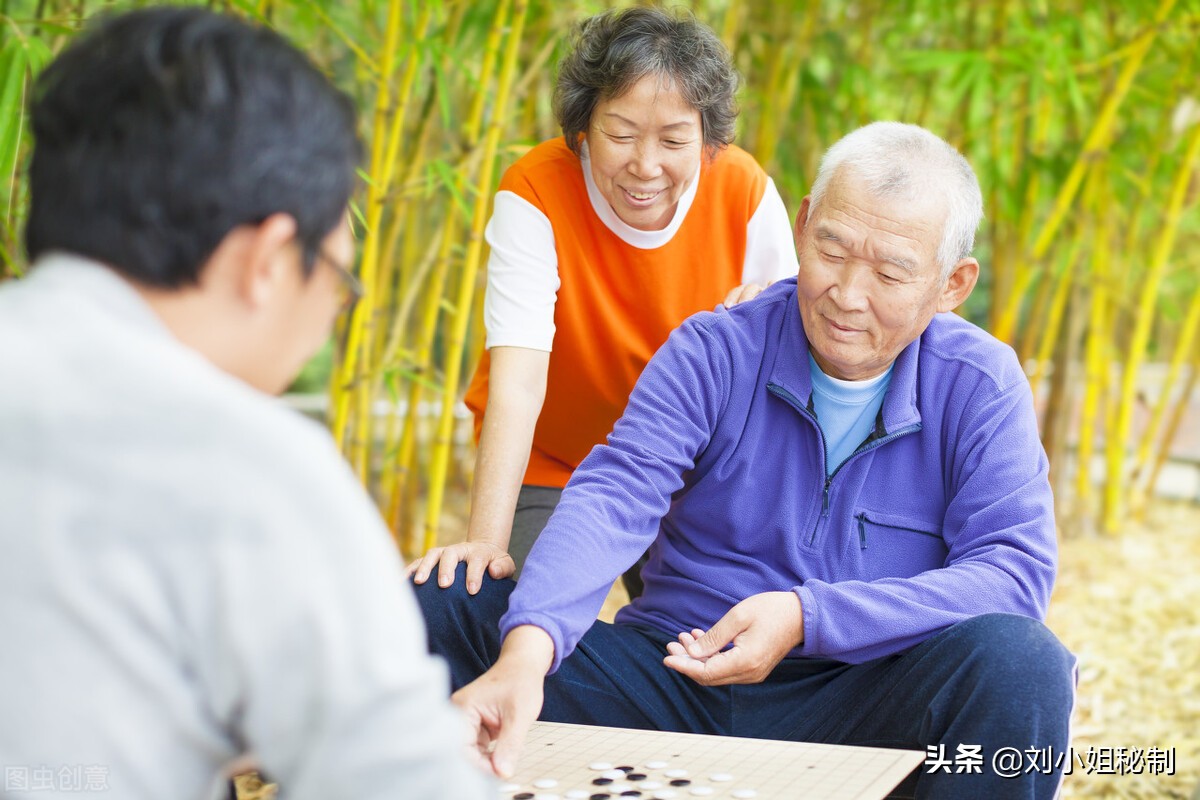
[846, 504]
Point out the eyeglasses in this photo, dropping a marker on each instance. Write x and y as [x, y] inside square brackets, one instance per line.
[352, 288]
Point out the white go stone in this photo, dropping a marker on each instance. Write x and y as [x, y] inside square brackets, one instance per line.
[676, 773]
[701, 791]
[505, 788]
[614, 775]
[545, 783]
[743, 794]
[650, 785]
[655, 764]
[546, 797]
[665, 794]
[720, 777]
[600, 766]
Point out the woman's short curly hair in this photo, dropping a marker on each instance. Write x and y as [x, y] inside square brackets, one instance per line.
[612, 51]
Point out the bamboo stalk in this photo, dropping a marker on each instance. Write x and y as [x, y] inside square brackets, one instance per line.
[1095, 375]
[1183, 347]
[769, 109]
[1041, 133]
[1141, 332]
[1094, 146]
[1181, 408]
[401, 483]
[1101, 132]
[444, 438]
[405, 478]
[1008, 277]
[1062, 390]
[364, 387]
[342, 385]
[1062, 291]
[731, 23]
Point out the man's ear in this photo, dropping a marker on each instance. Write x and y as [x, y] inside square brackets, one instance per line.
[959, 285]
[266, 257]
[801, 219]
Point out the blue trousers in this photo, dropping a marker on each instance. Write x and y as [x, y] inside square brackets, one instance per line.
[996, 681]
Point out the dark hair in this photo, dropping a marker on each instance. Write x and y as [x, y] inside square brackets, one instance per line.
[160, 130]
[614, 50]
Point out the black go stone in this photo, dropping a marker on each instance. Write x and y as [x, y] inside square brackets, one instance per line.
[601, 781]
[635, 776]
[523, 796]
[631, 793]
[625, 769]
[600, 796]
[680, 782]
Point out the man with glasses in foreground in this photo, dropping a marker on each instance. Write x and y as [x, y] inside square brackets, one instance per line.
[188, 571]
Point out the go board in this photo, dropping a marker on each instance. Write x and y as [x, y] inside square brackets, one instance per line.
[582, 762]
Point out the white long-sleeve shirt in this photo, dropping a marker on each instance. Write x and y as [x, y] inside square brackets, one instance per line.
[189, 571]
[523, 279]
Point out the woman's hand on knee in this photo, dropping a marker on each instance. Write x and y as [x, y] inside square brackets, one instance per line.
[478, 556]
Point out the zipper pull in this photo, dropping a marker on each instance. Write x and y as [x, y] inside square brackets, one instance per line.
[862, 531]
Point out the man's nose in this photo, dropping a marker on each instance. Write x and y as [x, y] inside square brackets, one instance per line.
[849, 290]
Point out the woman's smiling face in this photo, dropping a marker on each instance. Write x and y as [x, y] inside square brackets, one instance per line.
[645, 148]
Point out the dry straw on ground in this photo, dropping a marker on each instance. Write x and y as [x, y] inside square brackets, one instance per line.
[1129, 607]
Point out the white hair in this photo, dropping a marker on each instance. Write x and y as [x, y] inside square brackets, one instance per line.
[895, 159]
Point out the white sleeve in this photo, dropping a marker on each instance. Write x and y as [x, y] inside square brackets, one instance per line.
[770, 248]
[321, 657]
[522, 275]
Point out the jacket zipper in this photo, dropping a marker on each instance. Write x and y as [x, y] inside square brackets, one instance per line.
[791, 400]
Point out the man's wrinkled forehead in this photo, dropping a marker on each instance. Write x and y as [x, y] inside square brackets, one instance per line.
[906, 226]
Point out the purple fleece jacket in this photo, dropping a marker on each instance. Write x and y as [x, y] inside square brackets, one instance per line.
[717, 465]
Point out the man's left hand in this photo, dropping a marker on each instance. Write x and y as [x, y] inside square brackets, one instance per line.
[763, 628]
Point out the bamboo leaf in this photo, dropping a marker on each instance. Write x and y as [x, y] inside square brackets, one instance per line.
[447, 178]
[58, 29]
[13, 63]
[39, 54]
[357, 213]
[442, 88]
[935, 60]
[412, 375]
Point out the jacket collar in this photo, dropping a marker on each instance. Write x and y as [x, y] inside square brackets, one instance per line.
[790, 372]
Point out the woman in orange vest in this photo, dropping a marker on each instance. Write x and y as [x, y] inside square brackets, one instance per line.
[602, 242]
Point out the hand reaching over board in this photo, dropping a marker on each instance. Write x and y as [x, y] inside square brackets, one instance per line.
[502, 703]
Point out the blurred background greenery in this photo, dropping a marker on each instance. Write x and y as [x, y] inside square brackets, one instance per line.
[1080, 118]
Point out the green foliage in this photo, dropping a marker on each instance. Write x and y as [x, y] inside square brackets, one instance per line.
[1017, 85]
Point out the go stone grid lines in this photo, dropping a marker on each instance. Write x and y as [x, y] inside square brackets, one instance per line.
[774, 770]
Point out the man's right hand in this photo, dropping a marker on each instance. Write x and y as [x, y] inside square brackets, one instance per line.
[502, 703]
[478, 557]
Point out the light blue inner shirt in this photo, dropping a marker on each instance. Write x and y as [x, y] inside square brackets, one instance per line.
[846, 411]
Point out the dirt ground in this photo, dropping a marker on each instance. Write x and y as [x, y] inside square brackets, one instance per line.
[1129, 608]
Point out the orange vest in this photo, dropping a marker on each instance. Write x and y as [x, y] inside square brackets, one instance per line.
[617, 303]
